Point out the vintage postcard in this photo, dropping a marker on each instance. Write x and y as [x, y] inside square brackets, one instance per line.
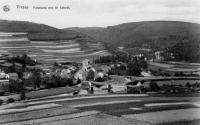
[100, 62]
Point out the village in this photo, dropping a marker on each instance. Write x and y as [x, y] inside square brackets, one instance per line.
[104, 85]
[99, 62]
[119, 73]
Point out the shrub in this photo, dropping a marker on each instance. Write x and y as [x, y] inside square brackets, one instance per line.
[70, 82]
[166, 74]
[99, 79]
[196, 85]
[63, 82]
[164, 85]
[50, 82]
[1, 102]
[154, 86]
[180, 85]
[2, 93]
[188, 85]
[15, 86]
[10, 100]
[78, 81]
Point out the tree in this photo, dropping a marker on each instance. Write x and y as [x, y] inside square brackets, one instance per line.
[1, 101]
[36, 78]
[154, 86]
[134, 69]
[91, 75]
[10, 100]
[188, 85]
[63, 82]
[78, 81]
[55, 64]
[143, 63]
[15, 86]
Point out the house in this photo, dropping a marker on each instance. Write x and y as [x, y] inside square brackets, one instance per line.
[120, 47]
[146, 74]
[72, 68]
[27, 75]
[2, 75]
[85, 63]
[47, 71]
[12, 76]
[65, 73]
[158, 55]
[134, 87]
[81, 74]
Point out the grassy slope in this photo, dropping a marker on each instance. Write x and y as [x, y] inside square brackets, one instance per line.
[155, 35]
[194, 122]
[41, 32]
[22, 26]
[139, 33]
[37, 31]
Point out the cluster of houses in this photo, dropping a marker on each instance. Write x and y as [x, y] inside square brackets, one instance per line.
[89, 72]
[83, 72]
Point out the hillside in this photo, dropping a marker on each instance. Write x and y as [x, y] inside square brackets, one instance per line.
[37, 31]
[91, 31]
[23, 26]
[47, 44]
[142, 33]
[153, 35]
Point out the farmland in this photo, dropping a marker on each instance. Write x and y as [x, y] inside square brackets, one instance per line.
[175, 66]
[46, 51]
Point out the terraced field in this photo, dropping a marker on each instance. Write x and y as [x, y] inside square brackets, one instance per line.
[175, 67]
[50, 51]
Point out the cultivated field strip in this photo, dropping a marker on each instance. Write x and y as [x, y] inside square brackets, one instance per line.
[50, 51]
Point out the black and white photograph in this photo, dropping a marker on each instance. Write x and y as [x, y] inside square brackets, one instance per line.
[99, 62]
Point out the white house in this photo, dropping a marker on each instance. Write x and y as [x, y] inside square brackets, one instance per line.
[12, 76]
[2, 75]
[81, 74]
[65, 73]
[158, 55]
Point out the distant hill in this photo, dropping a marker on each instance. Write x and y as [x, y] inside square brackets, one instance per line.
[154, 35]
[138, 34]
[23, 26]
[91, 31]
[37, 31]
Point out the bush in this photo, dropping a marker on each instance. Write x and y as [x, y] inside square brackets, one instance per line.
[164, 85]
[10, 100]
[166, 74]
[2, 93]
[188, 85]
[154, 86]
[15, 86]
[1, 102]
[49, 82]
[196, 85]
[99, 79]
[180, 85]
[70, 82]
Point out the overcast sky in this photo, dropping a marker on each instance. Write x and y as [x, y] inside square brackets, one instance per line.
[87, 13]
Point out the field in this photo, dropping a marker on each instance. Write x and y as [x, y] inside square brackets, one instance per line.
[193, 122]
[175, 66]
[52, 51]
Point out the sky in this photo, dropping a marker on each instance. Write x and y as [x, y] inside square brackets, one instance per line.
[100, 13]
